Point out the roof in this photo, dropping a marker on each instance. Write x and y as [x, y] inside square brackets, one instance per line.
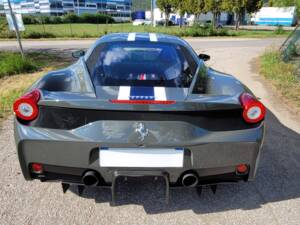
[148, 37]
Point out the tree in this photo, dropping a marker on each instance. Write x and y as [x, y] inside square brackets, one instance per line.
[166, 7]
[195, 7]
[215, 7]
[181, 6]
[238, 7]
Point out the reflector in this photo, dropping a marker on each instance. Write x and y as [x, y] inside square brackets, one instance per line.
[37, 167]
[242, 168]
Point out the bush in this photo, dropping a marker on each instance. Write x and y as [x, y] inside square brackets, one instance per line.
[68, 18]
[51, 19]
[96, 18]
[13, 63]
[37, 35]
[71, 18]
[30, 19]
[281, 74]
[198, 30]
[279, 30]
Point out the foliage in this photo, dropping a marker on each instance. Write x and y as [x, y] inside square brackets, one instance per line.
[30, 19]
[13, 63]
[3, 25]
[71, 18]
[96, 18]
[216, 7]
[238, 7]
[165, 6]
[279, 30]
[86, 30]
[195, 6]
[14, 86]
[281, 74]
[37, 35]
[68, 18]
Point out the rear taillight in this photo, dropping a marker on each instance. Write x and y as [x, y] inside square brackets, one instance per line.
[26, 107]
[254, 111]
[241, 169]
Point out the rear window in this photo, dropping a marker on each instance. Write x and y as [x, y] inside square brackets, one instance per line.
[141, 64]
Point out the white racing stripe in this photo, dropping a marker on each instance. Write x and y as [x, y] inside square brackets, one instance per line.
[153, 37]
[124, 93]
[160, 94]
[131, 37]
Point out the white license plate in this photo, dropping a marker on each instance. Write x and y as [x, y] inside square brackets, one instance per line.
[137, 157]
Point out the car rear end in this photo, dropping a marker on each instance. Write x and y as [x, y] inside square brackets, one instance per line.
[67, 142]
[190, 136]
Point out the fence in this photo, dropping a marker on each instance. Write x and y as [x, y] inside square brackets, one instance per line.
[291, 47]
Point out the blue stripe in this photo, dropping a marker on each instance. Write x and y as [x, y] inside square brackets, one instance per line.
[277, 19]
[275, 23]
[142, 93]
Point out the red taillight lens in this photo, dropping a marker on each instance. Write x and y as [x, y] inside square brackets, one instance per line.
[37, 168]
[254, 111]
[26, 107]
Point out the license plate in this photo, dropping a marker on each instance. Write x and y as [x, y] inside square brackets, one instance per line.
[137, 157]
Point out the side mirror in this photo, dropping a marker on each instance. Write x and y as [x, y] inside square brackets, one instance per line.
[204, 57]
[78, 54]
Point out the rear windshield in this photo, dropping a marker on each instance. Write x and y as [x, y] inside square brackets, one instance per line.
[141, 64]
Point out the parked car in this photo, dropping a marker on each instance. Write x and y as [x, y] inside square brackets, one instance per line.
[139, 104]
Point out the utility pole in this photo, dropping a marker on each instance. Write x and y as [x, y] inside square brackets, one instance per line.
[77, 7]
[152, 13]
[16, 28]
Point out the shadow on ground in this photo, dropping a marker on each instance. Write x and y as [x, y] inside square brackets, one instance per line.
[278, 179]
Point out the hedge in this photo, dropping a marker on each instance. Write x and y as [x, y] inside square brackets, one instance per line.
[68, 18]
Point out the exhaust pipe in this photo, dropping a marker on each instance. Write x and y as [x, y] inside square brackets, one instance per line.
[90, 178]
[190, 180]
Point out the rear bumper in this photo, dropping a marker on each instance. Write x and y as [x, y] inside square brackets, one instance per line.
[68, 154]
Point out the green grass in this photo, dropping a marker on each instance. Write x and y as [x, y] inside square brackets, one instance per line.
[281, 74]
[12, 86]
[94, 30]
[12, 63]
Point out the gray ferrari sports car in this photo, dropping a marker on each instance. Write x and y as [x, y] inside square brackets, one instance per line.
[139, 104]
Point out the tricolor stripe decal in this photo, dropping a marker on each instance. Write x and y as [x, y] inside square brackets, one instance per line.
[153, 37]
[131, 37]
[142, 95]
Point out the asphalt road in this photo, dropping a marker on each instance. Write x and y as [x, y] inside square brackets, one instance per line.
[273, 198]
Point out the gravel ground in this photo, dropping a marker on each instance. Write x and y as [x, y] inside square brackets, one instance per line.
[273, 198]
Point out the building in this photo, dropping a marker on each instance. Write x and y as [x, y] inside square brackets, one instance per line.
[1, 7]
[120, 10]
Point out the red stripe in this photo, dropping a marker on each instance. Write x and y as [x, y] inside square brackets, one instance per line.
[142, 102]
